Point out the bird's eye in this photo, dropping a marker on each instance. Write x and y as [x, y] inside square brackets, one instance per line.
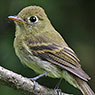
[33, 19]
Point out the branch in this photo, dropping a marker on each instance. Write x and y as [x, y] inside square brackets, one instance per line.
[23, 84]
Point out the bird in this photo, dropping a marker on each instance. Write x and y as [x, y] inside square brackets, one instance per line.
[40, 47]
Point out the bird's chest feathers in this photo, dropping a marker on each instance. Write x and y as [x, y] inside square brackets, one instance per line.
[20, 48]
[26, 56]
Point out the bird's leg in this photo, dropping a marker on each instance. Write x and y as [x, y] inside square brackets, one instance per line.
[58, 91]
[57, 87]
[58, 84]
[37, 77]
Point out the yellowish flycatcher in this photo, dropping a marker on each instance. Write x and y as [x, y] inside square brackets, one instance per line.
[39, 46]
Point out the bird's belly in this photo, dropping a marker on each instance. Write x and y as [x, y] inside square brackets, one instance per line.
[38, 65]
[26, 60]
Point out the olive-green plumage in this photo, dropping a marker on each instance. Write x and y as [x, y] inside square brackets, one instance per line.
[39, 46]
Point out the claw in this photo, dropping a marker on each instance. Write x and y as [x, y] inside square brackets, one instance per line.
[59, 92]
[34, 82]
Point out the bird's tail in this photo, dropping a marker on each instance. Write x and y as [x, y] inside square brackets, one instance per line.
[84, 87]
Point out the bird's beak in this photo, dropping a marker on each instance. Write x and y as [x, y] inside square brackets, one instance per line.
[16, 19]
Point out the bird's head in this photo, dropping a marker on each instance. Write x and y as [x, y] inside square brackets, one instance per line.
[30, 19]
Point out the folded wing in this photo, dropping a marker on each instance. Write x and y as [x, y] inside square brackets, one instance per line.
[63, 57]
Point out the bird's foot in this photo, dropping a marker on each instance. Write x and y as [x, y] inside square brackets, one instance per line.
[59, 92]
[37, 77]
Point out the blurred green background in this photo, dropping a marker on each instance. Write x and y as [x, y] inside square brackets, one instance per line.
[74, 19]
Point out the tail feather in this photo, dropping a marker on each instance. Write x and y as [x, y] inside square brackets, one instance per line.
[84, 87]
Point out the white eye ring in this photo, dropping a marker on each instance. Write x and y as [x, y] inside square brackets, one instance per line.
[33, 19]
